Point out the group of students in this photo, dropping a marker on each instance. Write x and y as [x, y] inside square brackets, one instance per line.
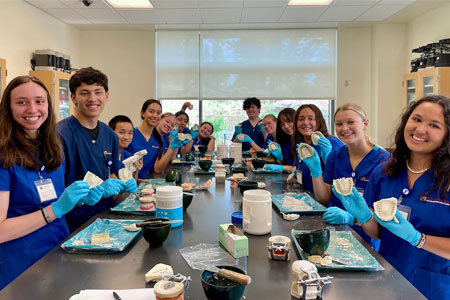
[416, 173]
[43, 197]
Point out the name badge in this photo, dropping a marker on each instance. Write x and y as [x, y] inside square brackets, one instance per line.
[45, 189]
[404, 210]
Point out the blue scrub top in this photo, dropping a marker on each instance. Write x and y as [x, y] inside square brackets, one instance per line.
[338, 166]
[306, 173]
[430, 214]
[254, 132]
[82, 155]
[19, 254]
[199, 142]
[186, 130]
[166, 142]
[152, 146]
[287, 160]
[266, 143]
[124, 155]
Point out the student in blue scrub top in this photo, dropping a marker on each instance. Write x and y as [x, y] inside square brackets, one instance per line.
[90, 145]
[123, 127]
[418, 176]
[147, 137]
[182, 120]
[252, 107]
[33, 201]
[308, 119]
[356, 159]
[284, 132]
[171, 147]
[204, 137]
[268, 127]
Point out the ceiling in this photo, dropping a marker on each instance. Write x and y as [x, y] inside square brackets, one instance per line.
[237, 13]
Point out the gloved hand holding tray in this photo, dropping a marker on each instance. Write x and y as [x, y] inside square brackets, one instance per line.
[102, 236]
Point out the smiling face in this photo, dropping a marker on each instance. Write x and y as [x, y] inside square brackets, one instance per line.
[152, 114]
[205, 131]
[350, 127]
[270, 126]
[306, 122]
[252, 112]
[124, 131]
[89, 100]
[166, 124]
[286, 125]
[29, 107]
[425, 129]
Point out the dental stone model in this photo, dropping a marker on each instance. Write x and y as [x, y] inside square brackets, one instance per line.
[92, 179]
[157, 272]
[303, 270]
[343, 185]
[195, 127]
[182, 136]
[273, 146]
[240, 136]
[131, 227]
[125, 174]
[316, 136]
[132, 159]
[385, 209]
[305, 151]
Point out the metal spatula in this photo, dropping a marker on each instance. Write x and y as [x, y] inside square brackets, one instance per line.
[231, 275]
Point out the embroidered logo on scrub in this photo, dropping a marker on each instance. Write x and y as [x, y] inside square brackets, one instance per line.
[155, 146]
[435, 200]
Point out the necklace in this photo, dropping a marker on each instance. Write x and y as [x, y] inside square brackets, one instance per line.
[415, 172]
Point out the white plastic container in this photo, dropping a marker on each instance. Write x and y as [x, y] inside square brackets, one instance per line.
[257, 212]
[169, 203]
[236, 152]
[222, 151]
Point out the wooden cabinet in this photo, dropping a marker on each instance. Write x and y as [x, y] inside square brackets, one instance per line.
[57, 84]
[426, 82]
[2, 76]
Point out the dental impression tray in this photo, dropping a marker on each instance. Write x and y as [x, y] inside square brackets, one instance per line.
[305, 151]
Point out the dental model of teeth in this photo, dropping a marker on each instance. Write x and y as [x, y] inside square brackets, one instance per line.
[125, 174]
[343, 185]
[305, 151]
[92, 179]
[195, 127]
[273, 146]
[316, 136]
[182, 136]
[240, 136]
[385, 209]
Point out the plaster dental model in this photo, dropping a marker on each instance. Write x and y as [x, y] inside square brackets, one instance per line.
[385, 209]
[343, 185]
[305, 151]
[125, 174]
[315, 136]
[92, 179]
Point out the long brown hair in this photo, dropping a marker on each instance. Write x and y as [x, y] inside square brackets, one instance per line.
[297, 137]
[282, 138]
[16, 147]
[441, 159]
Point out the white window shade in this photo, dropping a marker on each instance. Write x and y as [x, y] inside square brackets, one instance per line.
[235, 64]
[177, 67]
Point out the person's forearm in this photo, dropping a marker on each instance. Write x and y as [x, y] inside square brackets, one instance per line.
[161, 164]
[186, 148]
[437, 245]
[211, 145]
[322, 191]
[256, 147]
[372, 228]
[14, 228]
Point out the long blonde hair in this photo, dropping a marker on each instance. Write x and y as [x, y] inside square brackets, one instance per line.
[357, 109]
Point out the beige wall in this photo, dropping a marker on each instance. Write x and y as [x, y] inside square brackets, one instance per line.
[128, 59]
[24, 29]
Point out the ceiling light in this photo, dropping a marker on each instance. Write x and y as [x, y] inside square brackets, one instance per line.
[130, 3]
[310, 2]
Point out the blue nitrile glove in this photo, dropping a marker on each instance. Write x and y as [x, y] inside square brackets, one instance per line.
[176, 143]
[194, 133]
[130, 186]
[237, 129]
[325, 148]
[313, 163]
[112, 187]
[173, 133]
[273, 167]
[262, 127]
[70, 197]
[403, 229]
[355, 204]
[95, 194]
[335, 215]
[246, 139]
[277, 152]
[187, 140]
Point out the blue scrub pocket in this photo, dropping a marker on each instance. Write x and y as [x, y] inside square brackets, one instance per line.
[435, 286]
